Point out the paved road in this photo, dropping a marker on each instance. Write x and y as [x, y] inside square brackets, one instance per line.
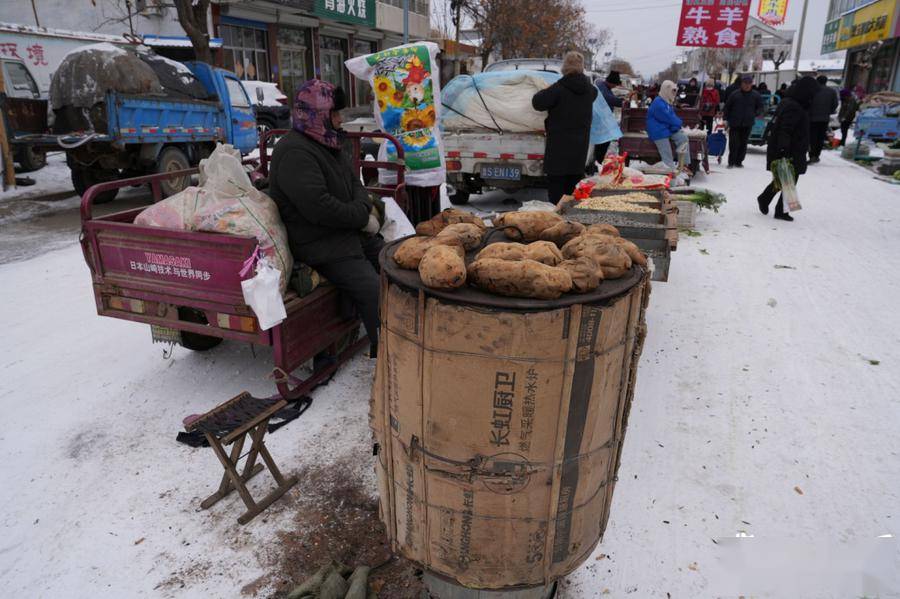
[30, 227]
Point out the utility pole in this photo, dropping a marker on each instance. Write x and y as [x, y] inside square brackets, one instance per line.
[458, 22]
[800, 40]
[405, 21]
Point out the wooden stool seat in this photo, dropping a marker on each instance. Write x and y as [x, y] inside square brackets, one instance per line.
[229, 424]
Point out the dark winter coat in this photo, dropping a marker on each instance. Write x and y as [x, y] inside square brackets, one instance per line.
[691, 93]
[849, 108]
[742, 108]
[611, 100]
[789, 129]
[321, 201]
[824, 104]
[569, 104]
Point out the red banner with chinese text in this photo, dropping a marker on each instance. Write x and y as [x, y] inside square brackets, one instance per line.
[713, 23]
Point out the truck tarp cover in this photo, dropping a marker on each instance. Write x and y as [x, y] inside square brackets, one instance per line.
[87, 73]
[477, 101]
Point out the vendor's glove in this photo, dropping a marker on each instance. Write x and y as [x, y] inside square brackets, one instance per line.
[373, 226]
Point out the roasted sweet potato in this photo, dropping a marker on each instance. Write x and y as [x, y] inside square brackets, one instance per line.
[603, 228]
[503, 250]
[585, 273]
[560, 233]
[410, 252]
[521, 278]
[544, 252]
[443, 219]
[528, 225]
[469, 234]
[633, 251]
[609, 255]
[442, 268]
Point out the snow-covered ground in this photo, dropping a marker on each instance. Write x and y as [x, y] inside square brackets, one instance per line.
[767, 408]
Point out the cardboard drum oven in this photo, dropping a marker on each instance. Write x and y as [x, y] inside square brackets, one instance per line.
[499, 424]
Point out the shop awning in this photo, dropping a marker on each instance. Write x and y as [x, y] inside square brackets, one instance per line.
[176, 41]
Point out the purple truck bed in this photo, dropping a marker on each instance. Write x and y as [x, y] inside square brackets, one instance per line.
[145, 274]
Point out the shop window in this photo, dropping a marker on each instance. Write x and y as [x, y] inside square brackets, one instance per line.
[333, 55]
[294, 58]
[363, 89]
[245, 51]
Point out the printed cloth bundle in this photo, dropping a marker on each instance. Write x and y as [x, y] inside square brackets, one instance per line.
[226, 202]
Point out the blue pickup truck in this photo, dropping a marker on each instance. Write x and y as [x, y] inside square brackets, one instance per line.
[129, 135]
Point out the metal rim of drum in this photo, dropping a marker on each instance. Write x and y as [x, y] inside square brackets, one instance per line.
[472, 296]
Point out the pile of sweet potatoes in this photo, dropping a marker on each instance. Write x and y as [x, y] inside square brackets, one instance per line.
[546, 256]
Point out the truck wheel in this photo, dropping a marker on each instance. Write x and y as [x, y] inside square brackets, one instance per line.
[83, 178]
[170, 160]
[196, 341]
[459, 198]
[31, 159]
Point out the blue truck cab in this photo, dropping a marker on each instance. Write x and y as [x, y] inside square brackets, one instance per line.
[149, 134]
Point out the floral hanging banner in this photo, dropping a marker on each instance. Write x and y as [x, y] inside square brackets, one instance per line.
[406, 84]
[772, 12]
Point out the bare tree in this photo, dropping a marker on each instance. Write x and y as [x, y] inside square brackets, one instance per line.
[623, 66]
[532, 28]
[193, 15]
[670, 73]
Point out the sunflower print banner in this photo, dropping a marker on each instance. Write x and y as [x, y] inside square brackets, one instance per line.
[406, 84]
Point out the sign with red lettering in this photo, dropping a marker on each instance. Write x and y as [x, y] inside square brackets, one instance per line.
[713, 23]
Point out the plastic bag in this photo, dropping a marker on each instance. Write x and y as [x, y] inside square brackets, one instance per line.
[406, 83]
[784, 179]
[263, 294]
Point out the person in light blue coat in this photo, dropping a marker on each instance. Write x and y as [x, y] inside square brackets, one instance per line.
[664, 126]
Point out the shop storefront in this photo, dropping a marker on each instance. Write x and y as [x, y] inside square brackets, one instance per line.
[290, 41]
[245, 48]
[871, 36]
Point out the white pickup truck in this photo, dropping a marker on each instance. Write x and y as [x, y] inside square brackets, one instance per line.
[481, 158]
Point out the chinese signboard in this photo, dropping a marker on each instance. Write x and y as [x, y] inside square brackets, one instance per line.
[830, 37]
[713, 23]
[868, 24]
[772, 12]
[359, 12]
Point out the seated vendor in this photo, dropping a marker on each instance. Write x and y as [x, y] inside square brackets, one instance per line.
[329, 216]
[664, 127]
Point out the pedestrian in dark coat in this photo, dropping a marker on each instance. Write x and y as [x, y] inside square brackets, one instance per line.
[692, 92]
[847, 113]
[327, 212]
[789, 138]
[824, 104]
[741, 110]
[569, 104]
[605, 88]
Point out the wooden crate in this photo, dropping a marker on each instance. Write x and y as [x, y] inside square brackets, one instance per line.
[687, 214]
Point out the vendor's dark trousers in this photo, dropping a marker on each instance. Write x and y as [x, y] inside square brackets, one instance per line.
[737, 145]
[708, 123]
[817, 133]
[560, 185]
[845, 130]
[768, 195]
[357, 278]
[600, 151]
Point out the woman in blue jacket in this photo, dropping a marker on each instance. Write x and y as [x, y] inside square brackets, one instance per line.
[664, 126]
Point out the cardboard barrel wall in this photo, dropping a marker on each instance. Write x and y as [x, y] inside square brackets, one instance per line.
[499, 432]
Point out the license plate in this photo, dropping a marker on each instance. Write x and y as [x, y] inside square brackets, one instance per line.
[503, 172]
[163, 334]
